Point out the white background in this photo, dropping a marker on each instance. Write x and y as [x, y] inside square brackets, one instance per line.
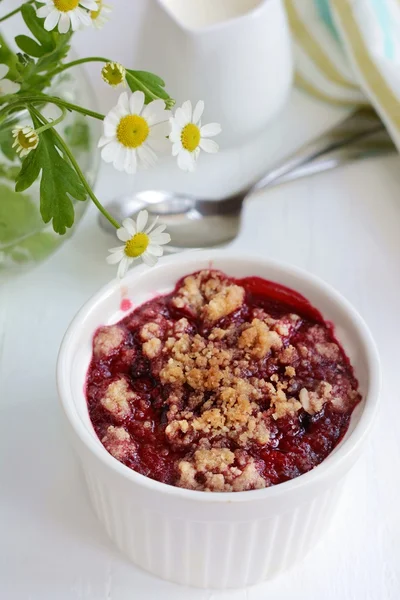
[343, 226]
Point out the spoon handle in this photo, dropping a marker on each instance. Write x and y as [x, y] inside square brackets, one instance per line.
[359, 125]
[379, 144]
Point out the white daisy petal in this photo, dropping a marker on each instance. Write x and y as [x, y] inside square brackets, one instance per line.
[109, 128]
[117, 249]
[83, 16]
[75, 22]
[113, 116]
[123, 104]
[176, 148]
[198, 111]
[175, 136]
[130, 226]
[141, 220]
[3, 71]
[136, 103]
[119, 157]
[155, 250]
[64, 23]
[130, 165]
[89, 4]
[123, 234]
[209, 145]
[109, 151]
[9, 87]
[51, 20]
[187, 109]
[154, 223]
[158, 229]
[210, 130]
[43, 11]
[160, 239]
[124, 266]
[181, 118]
[186, 161]
[155, 112]
[105, 140]
[148, 259]
[114, 258]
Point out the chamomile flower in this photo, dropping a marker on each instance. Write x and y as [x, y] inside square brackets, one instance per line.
[133, 132]
[25, 140]
[114, 74]
[66, 13]
[7, 86]
[188, 136]
[138, 243]
[99, 18]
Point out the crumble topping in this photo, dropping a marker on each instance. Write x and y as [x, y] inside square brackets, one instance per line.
[210, 295]
[107, 340]
[118, 442]
[216, 389]
[116, 399]
[219, 470]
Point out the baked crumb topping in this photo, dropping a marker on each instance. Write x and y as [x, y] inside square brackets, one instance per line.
[219, 388]
[107, 340]
[220, 470]
[116, 399]
[118, 442]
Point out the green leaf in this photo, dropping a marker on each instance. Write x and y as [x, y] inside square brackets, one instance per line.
[6, 142]
[35, 26]
[29, 46]
[150, 84]
[29, 172]
[52, 58]
[59, 182]
[148, 78]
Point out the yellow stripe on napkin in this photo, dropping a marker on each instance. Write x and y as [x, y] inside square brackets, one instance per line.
[311, 89]
[313, 49]
[386, 101]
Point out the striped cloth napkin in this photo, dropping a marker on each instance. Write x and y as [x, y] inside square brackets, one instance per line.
[348, 52]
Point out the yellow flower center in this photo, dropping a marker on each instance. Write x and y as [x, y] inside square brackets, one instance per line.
[95, 13]
[66, 5]
[190, 137]
[137, 245]
[132, 131]
[27, 141]
[113, 73]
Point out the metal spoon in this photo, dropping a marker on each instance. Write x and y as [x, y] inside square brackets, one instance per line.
[200, 223]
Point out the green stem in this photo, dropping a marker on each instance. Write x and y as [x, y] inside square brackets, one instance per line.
[52, 123]
[77, 168]
[15, 11]
[80, 61]
[54, 100]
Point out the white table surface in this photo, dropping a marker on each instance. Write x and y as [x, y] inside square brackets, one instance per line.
[343, 226]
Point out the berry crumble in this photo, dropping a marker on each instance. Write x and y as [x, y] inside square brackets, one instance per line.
[222, 385]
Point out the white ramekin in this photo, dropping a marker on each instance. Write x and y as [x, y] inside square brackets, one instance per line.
[203, 539]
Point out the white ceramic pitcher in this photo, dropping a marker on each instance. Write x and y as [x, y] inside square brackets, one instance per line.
[233, 54]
